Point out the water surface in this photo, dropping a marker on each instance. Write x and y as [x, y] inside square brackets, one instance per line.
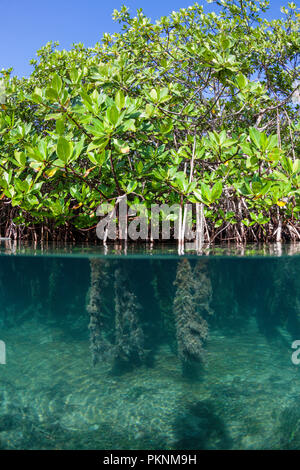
[149, 350]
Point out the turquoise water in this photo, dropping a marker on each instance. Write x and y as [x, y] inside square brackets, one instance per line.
[149, 351]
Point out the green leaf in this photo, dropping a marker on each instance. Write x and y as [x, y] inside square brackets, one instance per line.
[99, 144]
[52, 94]
[120, 100]
[131, 187]
[206, 193]
[287, 164]
[87, 100]
[74, 75]
[296, 166]
[97, 158]
[255, 136]
[56, 83]
[60, 126]
[139, 167]
[129, 125]
[34, 154]
[64, 149]
[20, 158]
[37, 96]
[153, 95]
[163, 95]
[112, 115]
[77, 149]
[241, 81]
[216, 191]
[166, 127]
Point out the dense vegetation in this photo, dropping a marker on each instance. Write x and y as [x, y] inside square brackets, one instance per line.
[196, 107]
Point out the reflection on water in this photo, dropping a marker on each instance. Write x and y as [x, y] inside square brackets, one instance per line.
[177, 353]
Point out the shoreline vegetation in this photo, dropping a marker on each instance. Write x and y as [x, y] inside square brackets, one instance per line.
[196, 108]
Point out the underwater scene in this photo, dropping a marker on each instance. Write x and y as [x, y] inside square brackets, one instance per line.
[152, 352]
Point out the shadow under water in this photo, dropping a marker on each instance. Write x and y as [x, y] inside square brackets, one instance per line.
[148, 353]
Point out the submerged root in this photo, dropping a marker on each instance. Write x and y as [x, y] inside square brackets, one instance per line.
[202, 288]
[100, 346]
[191, 327]
[129, 339]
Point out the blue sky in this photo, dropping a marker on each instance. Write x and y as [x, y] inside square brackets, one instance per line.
[27, 25]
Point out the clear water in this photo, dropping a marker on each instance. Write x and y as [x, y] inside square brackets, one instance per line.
[120, 360]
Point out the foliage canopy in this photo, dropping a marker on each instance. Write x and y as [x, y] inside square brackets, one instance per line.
[194, 107]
